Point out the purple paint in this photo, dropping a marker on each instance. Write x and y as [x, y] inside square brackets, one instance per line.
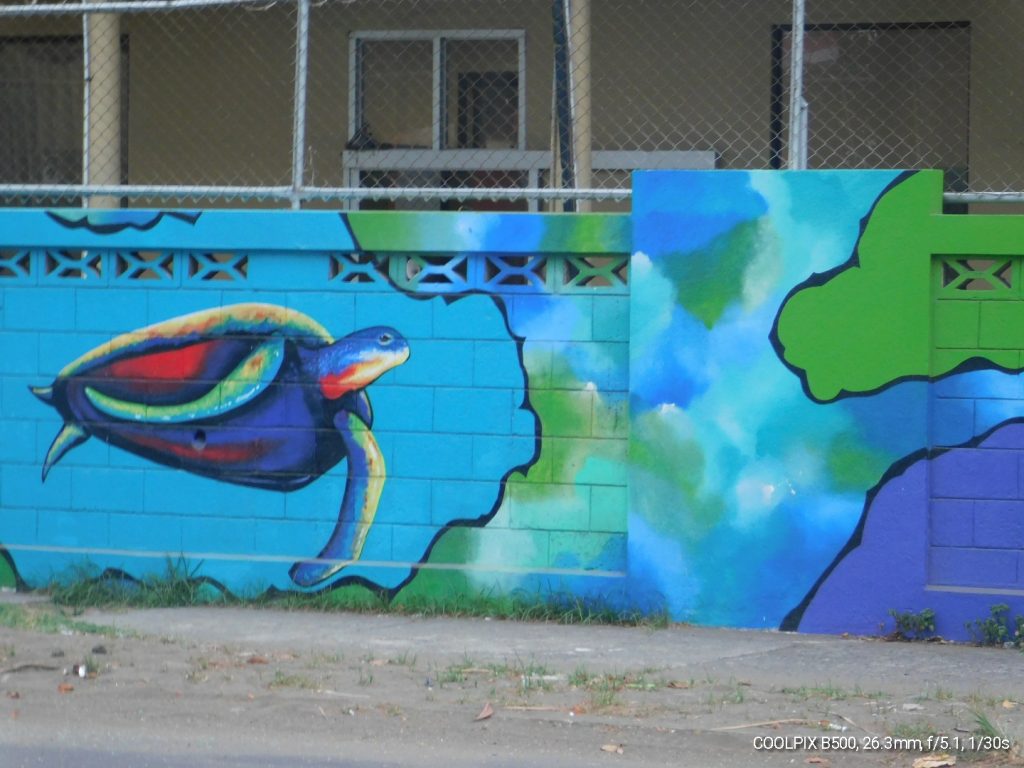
[897, 565]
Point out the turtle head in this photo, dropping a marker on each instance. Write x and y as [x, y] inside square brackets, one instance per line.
[359, 359]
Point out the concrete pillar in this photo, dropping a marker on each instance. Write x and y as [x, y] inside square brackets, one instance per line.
[579, 74]
[102, 161]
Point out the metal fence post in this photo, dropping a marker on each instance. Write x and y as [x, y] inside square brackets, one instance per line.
[299, 103]
[797, 104]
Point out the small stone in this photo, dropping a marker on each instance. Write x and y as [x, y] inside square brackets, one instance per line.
[99, 650]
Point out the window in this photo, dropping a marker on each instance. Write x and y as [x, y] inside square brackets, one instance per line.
[455, 89]
[880, 95]
[41, 120]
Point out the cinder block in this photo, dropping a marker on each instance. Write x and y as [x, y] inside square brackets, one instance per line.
[273, 270]
[999, 524]
[57, 349]
[977, 474]
[462, 500]
[608, 508]
[611, 318]
[521, 549]
[473, 411]
[496, 364]
[18, 526]
[413, 318]
[107, 489]
[955, 566]
[111, 310]
[571, 456]
[40, 309]
[1002, 325]
[550, 506]
[440, 456]
[220, 535]
[564, 412]
[611, 417]
[589, 551]
[405, 501]
[21, 486]
[952, 421]
[290, 538]
[19, 351]
[437, 363]
[409, 542]
[147, 533]
[494, 456]
[956, 324]
[19, 441]
[951, 522]
[402, 408]
[71, 528]
[462, 318]
[334, 310]
[163, 305]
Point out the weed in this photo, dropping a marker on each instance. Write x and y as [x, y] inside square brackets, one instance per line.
[178, 585]
[579, 677]
[913, 626]
[827, 691]
[994, 630]
[365, 677]
[404, 659]
[913, 731]
[984, 726]
[282, 680]
[49, 620]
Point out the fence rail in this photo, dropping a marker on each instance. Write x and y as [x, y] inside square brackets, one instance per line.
[508, 104]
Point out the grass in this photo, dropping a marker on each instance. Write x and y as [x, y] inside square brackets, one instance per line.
[48, 620]
[282, 680]
[827, 691]
[180, 584]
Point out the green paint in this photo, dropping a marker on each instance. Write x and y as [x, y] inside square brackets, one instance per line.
[886, 317]
[673, 470]
[711, 279]
[852, 465]
[7, 576]
[869, 324]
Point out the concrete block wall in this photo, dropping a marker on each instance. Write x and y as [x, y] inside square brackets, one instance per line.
[762, 399]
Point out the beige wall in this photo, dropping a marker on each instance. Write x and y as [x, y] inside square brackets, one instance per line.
[210, 96]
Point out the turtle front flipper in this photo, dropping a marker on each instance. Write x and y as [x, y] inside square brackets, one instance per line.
[366, 476]
[70, 436]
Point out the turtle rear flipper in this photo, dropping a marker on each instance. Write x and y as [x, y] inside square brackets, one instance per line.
[70, 436]
[43, 393]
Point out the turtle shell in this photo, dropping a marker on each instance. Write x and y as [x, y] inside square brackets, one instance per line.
[227, 392]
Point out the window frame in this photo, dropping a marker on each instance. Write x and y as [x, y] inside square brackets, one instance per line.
[438, 39]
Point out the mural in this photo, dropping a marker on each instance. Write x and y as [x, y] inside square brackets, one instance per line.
[763, 399]
[813, 439]
[250, 394]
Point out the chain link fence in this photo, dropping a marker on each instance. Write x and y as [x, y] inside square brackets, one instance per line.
[494, 104]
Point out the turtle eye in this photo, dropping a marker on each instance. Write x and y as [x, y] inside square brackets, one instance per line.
[386, 338]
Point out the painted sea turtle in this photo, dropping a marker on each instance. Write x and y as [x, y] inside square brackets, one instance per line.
[251, 394]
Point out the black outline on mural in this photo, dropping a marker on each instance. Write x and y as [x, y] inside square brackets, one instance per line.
[19, 583]
[791, 621]
[82, 222]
